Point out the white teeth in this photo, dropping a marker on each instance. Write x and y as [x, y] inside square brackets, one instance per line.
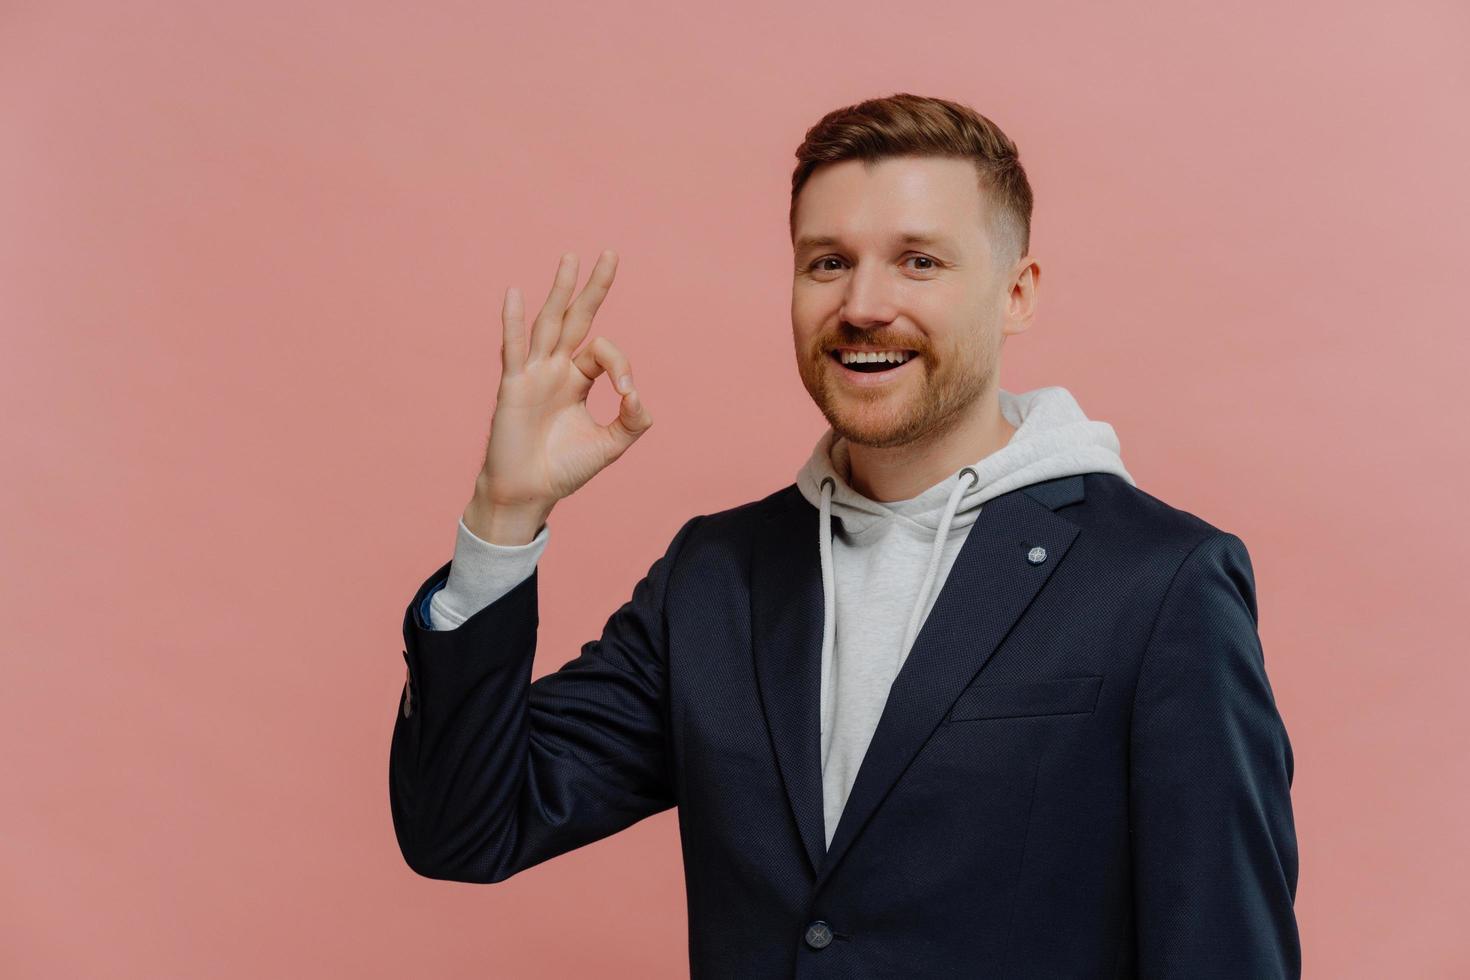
[863, 357]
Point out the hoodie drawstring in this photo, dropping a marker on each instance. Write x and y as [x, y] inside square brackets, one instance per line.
[829, 580]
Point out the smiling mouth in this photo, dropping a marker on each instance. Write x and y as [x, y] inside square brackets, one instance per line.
[871, 367]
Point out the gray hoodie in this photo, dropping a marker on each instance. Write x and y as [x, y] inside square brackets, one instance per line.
[882, 566]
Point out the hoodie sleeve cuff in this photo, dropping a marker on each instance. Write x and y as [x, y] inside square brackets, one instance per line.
[480, 573]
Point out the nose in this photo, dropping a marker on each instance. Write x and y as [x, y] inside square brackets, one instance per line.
[868, 302]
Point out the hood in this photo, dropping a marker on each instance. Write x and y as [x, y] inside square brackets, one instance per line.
[1053, 438]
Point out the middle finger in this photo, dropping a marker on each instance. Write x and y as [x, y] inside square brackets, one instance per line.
[578, 319]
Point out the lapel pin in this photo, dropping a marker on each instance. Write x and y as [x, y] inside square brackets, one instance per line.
[1036, 555]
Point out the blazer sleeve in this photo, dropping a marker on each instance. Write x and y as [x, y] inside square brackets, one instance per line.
[1213, 837]
[489, 773]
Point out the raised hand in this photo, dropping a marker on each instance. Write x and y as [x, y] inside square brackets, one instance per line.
[544, 443]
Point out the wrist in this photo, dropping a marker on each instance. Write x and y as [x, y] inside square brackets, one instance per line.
[510, 526]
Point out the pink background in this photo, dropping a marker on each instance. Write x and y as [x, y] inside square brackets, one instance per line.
[251, 264]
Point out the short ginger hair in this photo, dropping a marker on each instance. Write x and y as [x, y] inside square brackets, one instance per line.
[913, 125]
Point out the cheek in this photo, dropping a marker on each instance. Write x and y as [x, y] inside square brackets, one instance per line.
[808, 325]
[808, 306]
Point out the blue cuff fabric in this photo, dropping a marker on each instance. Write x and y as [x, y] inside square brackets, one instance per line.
[424, 606]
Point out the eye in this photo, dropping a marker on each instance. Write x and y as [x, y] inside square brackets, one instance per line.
[933, 263]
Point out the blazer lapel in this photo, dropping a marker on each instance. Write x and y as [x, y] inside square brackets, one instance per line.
[786, 632]
[988, 587]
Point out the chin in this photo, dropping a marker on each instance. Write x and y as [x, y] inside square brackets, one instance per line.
[876, 430]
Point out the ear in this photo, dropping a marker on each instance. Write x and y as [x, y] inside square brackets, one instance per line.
[1021, 295]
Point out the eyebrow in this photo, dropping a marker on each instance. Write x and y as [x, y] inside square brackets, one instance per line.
[906, 238]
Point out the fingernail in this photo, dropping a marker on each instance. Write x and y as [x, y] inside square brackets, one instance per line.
[632, 399]
[625, 383]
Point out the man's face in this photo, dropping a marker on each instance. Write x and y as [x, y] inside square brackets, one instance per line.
[864, 286]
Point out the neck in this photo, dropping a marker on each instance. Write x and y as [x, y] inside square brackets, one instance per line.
[902, 472]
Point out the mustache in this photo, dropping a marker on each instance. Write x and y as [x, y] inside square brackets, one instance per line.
[872, 343]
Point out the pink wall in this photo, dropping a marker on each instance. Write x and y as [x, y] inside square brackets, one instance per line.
[251, 264]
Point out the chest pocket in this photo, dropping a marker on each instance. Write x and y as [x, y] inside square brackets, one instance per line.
[1027, 699]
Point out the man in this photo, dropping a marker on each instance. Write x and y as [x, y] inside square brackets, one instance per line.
[961, 701]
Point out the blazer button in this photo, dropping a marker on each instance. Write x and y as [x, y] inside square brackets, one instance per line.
[818, 935]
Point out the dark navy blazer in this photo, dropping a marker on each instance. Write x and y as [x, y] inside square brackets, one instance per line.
[1080, 771]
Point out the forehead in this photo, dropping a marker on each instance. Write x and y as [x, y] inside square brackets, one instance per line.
[897, 199]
